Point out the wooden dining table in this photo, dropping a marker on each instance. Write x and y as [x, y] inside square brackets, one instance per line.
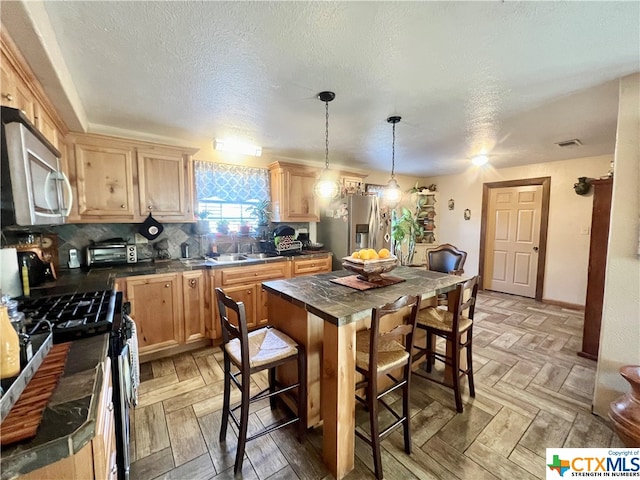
[324, 317]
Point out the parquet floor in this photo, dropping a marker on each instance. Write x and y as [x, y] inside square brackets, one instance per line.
[532, 392]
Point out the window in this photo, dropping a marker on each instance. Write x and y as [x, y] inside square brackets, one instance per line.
[225, 192]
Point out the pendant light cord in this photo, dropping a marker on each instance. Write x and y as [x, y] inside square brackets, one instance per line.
[326, 136]
[393, 151]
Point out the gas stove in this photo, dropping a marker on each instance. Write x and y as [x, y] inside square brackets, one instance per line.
[72, 316]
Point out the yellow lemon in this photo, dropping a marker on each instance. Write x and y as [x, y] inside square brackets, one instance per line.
[365, 254]
[373, 255]
[384, 253]
[355, 254]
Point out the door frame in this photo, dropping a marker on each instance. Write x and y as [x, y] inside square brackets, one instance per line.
[544, 224]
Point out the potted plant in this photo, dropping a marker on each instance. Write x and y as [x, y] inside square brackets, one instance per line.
[405, 229]
[201, 226]
[223, 227]
[245, 228]
[261, 212]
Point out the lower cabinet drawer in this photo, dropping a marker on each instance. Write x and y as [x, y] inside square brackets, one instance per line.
[311, 266]
[256, 274]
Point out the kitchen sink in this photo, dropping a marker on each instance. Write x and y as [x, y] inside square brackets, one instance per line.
[258, 256]
[229, 257]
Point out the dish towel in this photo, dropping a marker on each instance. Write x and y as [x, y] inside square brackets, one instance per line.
[134, 361]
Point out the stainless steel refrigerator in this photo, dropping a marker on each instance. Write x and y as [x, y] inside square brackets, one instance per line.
[361, 227]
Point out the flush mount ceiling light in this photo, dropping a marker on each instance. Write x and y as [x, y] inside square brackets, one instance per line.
[392, 192]
[326, 188]
[233, 146]
[479, 160]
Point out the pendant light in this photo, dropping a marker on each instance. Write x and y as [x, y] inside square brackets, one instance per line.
[392, 192]
[326, 188]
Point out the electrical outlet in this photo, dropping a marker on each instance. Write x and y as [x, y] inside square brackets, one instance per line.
[584, 230]
[140, 239]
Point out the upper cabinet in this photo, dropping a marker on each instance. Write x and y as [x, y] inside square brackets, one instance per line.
[20, 89]
[104, 179]
[292, 193]
[120, 180]
[164, 179]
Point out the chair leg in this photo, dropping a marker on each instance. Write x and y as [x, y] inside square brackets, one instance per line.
[272, 387]
[372, 402]
[429, 340]
[244, 422]
[406, 413]
[226, 399]
[455, 371]
[472, 390]
[302, 395]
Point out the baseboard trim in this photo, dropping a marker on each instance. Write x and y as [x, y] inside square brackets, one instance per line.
[570, 306]
[168, 352]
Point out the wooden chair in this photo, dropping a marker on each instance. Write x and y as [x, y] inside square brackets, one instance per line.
[252, 352]
[453, 326]
[380, 353]
[446, 258]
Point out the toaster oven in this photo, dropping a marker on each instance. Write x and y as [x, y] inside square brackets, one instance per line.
[108, 254]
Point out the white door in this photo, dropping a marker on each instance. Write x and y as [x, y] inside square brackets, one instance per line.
[513, 233]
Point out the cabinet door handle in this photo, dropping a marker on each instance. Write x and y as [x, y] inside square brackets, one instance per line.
[150, 207]
[535, 249]
[255, 274]
[123, 206]
[248, 292]
[193, 283]
[167, 285]
[9, 97]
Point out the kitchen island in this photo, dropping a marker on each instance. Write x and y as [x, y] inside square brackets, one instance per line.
[325, 316]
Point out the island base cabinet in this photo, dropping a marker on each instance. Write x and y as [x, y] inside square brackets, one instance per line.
[306, 329]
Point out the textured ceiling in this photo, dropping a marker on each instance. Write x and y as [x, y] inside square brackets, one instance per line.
[506, 78]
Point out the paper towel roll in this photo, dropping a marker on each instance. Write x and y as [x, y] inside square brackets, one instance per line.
[10, 283]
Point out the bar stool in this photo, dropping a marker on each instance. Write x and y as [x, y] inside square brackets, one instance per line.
[252, 352]
[452, 326]
[380, 353]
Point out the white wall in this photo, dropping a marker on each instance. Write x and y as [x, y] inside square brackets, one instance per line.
[620, 328]
[567, 249]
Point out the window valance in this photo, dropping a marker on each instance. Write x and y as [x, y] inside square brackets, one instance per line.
[230, 183]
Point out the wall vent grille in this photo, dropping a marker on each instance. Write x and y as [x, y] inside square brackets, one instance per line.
[569, 143]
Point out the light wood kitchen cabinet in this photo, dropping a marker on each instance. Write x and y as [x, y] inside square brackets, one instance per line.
[311, 266]
[156, 303]
[244, 284]
[20, 89]
[292, 193]
[104, 441]
[122, 181]
[196, 306]
[162, 178]
[104, 180]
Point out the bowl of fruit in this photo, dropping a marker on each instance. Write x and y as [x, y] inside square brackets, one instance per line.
[370, 264]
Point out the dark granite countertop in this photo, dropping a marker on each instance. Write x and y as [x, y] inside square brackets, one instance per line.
[69, 421]
[93, 279]
[341, 305]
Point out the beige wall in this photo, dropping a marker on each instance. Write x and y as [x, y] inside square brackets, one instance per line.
[567, 248]
[620, 331]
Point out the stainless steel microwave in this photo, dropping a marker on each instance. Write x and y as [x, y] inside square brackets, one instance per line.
[36, 191]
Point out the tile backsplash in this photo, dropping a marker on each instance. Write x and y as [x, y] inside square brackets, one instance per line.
[78, 236]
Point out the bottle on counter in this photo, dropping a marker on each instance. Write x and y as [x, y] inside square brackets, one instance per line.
[26, 290]
[9, 346]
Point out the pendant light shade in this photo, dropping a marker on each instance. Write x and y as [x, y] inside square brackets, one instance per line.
[327, 187]
[392, 192]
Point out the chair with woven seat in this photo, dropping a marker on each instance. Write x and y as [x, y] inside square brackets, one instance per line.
[446, 258]
[457, 330]
[252, 352]
[382, 353]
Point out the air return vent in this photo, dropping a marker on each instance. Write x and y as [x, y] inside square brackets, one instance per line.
[569, 143]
